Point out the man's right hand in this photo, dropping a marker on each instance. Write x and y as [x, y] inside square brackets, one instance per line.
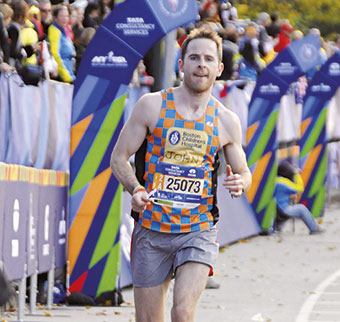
[139, 201]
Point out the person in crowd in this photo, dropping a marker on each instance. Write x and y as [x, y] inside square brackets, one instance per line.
[249, 63]
[288, 184]
[174, 237]
[91, 15]
[230, 50]
[284, 37]
[46, 17]
[105, 8]
[228, 11]
[273, 29]
[84, 39]
[211, 15]
[76, 23]
[34, 17]
[61, 46]
[296, 35]
[266, 46]
[250, 34]
[6, 13]
[24, 42]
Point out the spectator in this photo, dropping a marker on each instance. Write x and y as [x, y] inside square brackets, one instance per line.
[284, 37]
[228, 11]
[23, 38]
[296, 35]
[105, 8]
[45, 15]
[61, 46]
[84, 40]
[273, 29]
[288, 184]
[6, 13]
[230, 50]
[266, 49]
[250, 34]
[76, 23]
[211, 15]
[91, 15]
[250, 63]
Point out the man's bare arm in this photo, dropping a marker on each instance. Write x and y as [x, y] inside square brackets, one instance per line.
[143, 117]
[238, 177]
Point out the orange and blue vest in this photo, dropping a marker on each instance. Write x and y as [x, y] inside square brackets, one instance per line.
[180, 167]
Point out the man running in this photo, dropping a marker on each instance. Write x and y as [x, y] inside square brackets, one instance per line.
[174, 196]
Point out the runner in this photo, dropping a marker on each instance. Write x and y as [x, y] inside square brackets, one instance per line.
[174, 189]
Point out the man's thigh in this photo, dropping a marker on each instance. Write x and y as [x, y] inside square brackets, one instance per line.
[190, 281]
[150, 302]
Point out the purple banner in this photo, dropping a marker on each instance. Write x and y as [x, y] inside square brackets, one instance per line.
[16, 205]
[32, 225]
[60, 208]
[46, 222]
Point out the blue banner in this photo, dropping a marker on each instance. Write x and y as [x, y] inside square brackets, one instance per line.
[101, 87]
[16, 205]
[272, 84]
[313, 154]
[46, 228]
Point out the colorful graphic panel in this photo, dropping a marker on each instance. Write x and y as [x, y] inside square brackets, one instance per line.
[97, 119]
[272, 84]
[313, 151]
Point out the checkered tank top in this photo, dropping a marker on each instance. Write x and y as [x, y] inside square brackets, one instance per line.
[181, 169]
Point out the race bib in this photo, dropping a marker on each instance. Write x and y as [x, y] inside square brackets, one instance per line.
[179, 177]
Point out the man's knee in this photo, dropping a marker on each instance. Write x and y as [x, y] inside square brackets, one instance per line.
[182, 313]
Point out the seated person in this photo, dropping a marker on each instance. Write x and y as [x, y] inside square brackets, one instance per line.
[288, 184]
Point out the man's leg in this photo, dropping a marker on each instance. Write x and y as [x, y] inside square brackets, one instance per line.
[150, 302]
[190, 281]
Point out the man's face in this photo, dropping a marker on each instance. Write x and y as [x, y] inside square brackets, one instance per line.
[45, 11]
[201, 65]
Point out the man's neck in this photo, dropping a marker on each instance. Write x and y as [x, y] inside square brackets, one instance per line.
[191, 105]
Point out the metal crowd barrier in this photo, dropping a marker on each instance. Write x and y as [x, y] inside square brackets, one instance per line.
[32, 228]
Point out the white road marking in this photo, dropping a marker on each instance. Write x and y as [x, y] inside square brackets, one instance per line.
[309, 304]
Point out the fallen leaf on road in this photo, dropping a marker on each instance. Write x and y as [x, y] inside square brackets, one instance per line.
[244, 241]
[47, 314]
[101, 313]
[331, 248]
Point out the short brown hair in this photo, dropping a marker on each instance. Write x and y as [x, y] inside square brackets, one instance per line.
[205, 31]
[6, 10]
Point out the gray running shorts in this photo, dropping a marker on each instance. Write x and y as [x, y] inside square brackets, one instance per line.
[156, 255]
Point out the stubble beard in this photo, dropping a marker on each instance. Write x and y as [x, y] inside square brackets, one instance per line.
[196, 87]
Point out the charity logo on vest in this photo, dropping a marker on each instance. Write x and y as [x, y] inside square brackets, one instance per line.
[174, 137]
[185, 147]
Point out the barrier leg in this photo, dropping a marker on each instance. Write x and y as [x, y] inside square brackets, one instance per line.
[50, 284]
[22, 297]
[33, 292]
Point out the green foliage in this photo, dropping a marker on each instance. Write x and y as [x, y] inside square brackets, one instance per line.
[302, 14]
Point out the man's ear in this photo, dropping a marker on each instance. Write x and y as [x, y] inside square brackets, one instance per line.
[180, 64]
[220, 69]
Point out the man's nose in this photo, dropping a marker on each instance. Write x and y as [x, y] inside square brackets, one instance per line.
[201, 62]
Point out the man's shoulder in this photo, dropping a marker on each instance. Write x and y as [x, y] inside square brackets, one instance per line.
[150, 100]
[225, 114]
